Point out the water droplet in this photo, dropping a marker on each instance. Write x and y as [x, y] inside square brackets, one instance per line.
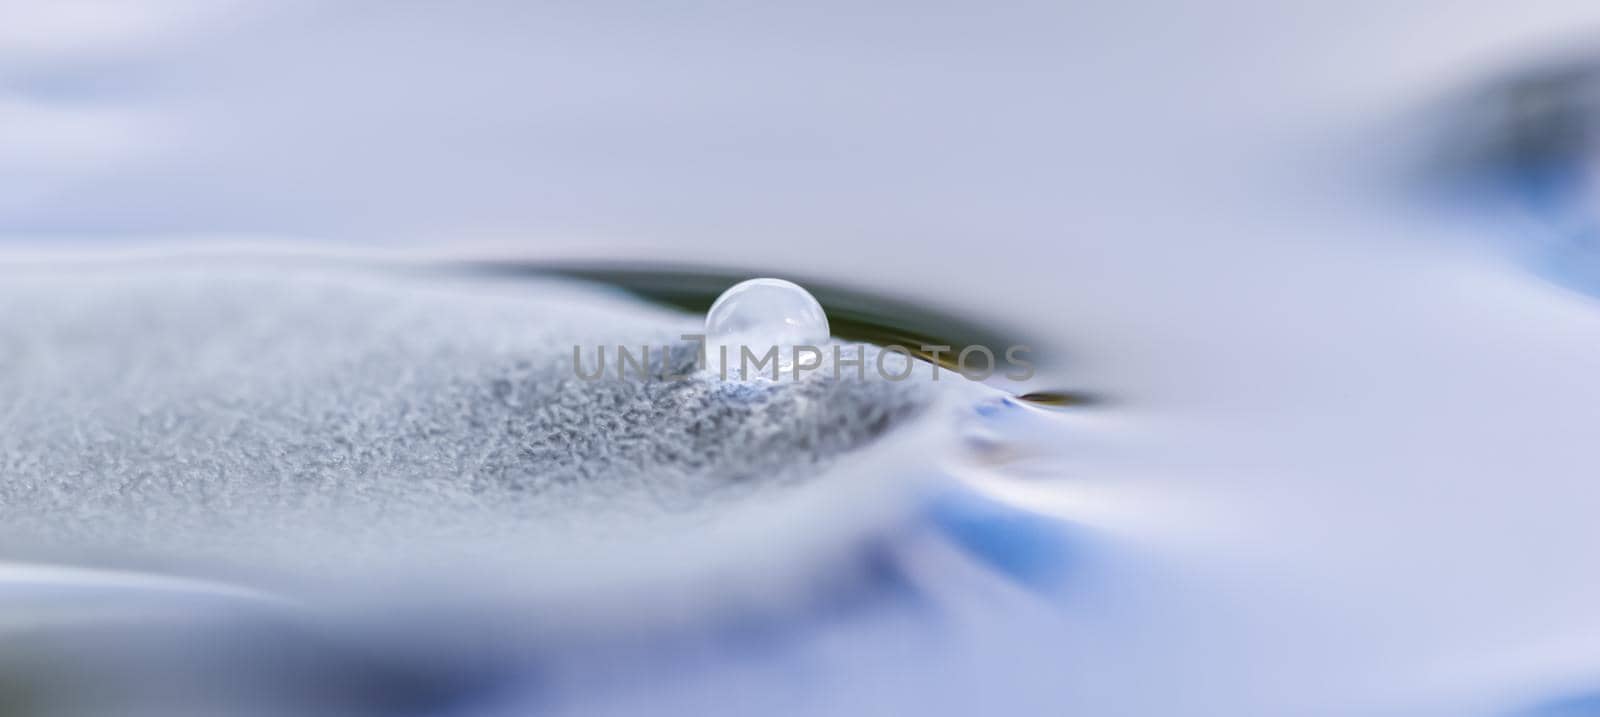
[760, 314]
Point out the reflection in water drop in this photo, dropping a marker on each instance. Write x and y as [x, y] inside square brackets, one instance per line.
[763, 314]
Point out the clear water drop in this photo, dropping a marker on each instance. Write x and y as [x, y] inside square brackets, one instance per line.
[760, 314]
